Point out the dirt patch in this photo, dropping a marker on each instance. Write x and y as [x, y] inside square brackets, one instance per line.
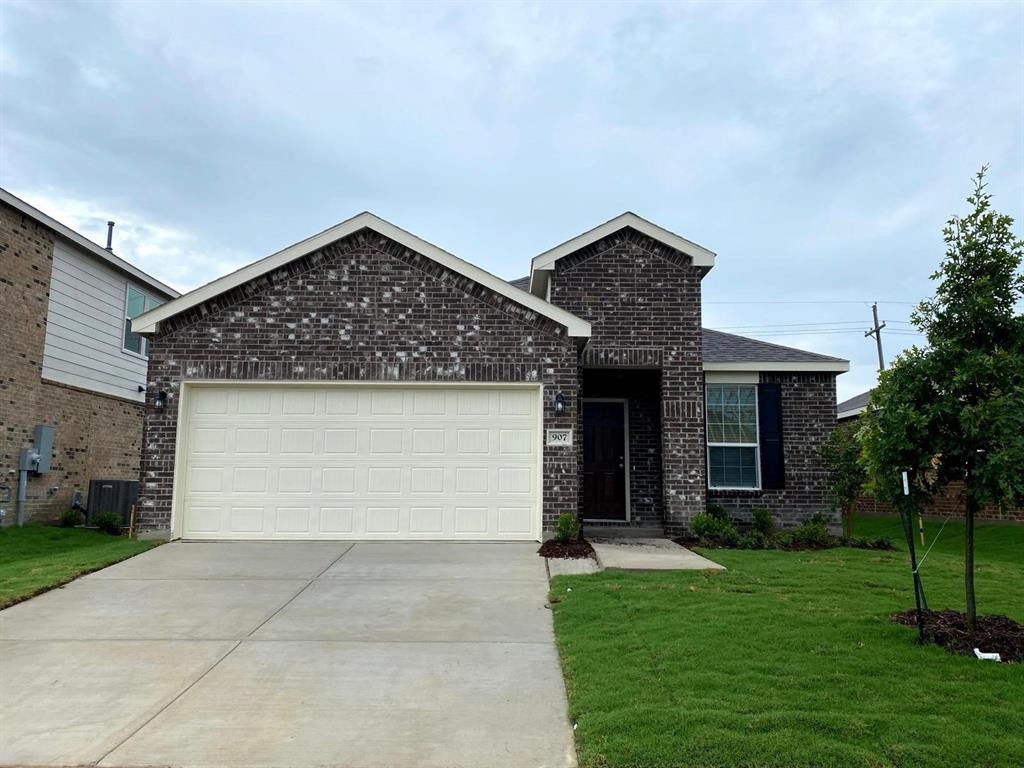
[572, 549]
[994, 634]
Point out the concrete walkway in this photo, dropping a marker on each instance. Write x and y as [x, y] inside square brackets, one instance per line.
[650, 554]
[290, 654]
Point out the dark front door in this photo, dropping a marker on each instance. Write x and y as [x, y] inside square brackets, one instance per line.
[604, 460]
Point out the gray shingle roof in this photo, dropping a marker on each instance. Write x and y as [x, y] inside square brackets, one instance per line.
[854, 403]
[722, 347]
[521, 282]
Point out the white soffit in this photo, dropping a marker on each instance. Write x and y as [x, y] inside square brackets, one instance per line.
[701, 256]
[851, 413]
[825, 366]
[149, 322]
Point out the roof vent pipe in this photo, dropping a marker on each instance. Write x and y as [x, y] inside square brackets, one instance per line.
[110, 236]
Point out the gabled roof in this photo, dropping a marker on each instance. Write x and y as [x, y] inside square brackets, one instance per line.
[149, 322]
[728, 352]
[87, 245]
[545, 262]
[855, 406]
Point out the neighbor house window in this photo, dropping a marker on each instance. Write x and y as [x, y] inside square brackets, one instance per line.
[136, 303]
[732, 436]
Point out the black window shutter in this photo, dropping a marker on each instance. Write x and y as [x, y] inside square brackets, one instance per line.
[769, 409]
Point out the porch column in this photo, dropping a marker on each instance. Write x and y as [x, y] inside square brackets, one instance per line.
[682, 444]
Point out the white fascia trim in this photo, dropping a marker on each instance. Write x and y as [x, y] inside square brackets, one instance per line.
[825, 366]
[851, 413]
[701, 256]
[149, 322]
[88, 245]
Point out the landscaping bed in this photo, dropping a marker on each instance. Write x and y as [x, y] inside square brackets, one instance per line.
[714, 529]
[571, 549]
[568, 542]
[993, 634]
[37, 558]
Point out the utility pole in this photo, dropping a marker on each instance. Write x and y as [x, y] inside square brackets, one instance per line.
[876, 331]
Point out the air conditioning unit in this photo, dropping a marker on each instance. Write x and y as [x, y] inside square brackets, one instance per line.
[111, 496]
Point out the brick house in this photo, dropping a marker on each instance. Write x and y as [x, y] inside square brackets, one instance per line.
[68, 358]
[364, 383]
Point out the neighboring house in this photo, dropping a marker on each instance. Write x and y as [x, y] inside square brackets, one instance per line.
[68, 359]
[950, 502]
[854, 407]
[364, 383]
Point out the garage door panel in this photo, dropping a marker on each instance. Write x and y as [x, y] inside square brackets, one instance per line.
[361, 462]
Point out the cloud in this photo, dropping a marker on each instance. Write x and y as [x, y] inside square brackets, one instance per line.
[816, 147]
[174, 257]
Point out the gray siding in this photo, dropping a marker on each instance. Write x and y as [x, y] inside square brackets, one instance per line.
[84, 326]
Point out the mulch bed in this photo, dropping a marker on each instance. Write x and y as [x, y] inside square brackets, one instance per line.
[690, 541]
[572, 549]
[994, 634]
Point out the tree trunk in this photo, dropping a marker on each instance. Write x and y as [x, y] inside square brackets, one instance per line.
[970, 506]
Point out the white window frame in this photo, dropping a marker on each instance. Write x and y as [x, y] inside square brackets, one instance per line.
[144, 354]
[756, 445]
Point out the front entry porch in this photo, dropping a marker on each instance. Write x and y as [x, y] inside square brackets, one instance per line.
[620, 452]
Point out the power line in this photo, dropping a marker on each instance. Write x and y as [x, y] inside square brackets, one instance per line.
[812, 332]
[818, 332]
[796, 325]
[800, 301]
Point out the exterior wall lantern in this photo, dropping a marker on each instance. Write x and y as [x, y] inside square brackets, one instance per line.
[559, 403]
[160, 400]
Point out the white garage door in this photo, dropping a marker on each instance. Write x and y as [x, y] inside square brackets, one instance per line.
[359, 462]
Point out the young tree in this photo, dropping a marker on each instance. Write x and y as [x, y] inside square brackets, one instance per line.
[954, 412]
[898, 436]
[841, 455]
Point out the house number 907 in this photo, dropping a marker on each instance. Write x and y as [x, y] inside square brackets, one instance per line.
[559, 437]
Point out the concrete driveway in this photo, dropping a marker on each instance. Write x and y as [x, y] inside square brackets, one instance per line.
[290, 654]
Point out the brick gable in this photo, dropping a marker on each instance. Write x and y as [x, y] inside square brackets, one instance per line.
[363, 308]
[643, 300]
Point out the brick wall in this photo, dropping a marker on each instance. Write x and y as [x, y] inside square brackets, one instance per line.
[364, 308]
[949, 503]
[95, 436]
[808, 418]
[643, 300]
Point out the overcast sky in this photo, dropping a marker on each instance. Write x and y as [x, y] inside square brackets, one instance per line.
[817, 148]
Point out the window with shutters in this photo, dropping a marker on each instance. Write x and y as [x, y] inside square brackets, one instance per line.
[733, 458]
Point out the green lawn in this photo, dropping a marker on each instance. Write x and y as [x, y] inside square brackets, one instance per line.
[789, 659]
[36, 558]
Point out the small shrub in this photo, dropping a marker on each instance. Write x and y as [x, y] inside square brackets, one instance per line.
[69, 518]
[567, 528]
[717, 511]
[109, 522]
[764, 523]
[813, 534]
[754, 539]
[711, 529]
